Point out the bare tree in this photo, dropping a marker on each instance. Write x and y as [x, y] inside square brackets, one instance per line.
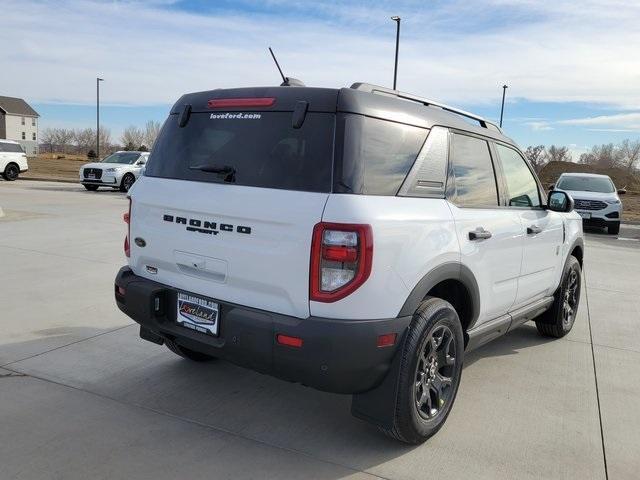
[132, 135]
[62, 138]
[537, 156]
[559, 154]
[605, 156]
[85, 139]
[105, 140]
[47, 137]
[151, 131]
[629, 154]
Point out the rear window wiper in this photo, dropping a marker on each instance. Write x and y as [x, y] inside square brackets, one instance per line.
[228, 173]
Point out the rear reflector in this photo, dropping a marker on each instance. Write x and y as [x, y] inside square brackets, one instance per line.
[387, 340]
[241, 102]
[289, 341]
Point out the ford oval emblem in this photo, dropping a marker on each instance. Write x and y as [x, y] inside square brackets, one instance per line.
[140, 242]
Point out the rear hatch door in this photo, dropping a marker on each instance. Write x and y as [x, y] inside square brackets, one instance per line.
[230, 197]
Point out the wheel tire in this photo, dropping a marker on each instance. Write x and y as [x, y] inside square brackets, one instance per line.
[91, 188]
[11, 172]
[419, 376]
[126, 182]
[187, 353]
[614, 229]
[559, 319]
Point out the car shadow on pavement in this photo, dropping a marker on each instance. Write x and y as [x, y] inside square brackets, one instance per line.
[119, 365]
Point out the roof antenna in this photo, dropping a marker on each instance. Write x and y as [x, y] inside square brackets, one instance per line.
[286, 81]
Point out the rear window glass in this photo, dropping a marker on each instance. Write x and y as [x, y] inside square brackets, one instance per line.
[377, 155]
[11, 147]
[257, 149]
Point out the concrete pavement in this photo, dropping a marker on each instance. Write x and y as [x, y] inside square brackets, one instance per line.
[81, 395]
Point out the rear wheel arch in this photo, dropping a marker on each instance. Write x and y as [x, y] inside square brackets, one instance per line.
[452, 282]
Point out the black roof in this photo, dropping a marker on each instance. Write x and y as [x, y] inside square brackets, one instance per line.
[360, 98]
[16, 106]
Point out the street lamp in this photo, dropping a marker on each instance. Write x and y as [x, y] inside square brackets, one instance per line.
[98, 80]
[395, 69]
[504, 92]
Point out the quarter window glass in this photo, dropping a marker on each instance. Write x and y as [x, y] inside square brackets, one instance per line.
[377, 155]
[521, 186]
[474, 181]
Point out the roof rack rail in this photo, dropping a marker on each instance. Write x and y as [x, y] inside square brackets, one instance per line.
[367, 87]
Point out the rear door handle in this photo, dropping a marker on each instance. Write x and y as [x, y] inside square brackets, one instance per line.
[533, 230]
[479, 234]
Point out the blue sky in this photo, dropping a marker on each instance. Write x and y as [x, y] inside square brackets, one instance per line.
[571, 66]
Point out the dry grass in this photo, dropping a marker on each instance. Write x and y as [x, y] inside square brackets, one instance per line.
[50, 166]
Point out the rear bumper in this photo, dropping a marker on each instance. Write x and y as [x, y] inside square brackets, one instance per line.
[338, 356]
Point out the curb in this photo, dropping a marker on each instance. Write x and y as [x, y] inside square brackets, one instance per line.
[44, 179]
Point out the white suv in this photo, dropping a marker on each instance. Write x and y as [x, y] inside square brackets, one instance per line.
[596, 199]
[118, 170]
[355, 240]
[13, 160]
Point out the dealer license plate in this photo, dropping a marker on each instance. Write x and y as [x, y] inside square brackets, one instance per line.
[197, 313]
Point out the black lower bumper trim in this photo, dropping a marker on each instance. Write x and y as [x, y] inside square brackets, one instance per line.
[338, 356]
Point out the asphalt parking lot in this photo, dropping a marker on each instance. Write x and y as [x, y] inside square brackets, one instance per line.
[81, 396]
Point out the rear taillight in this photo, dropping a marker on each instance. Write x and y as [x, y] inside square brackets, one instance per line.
[341, 256]
[127, 219]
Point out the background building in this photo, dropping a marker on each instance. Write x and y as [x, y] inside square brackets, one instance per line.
[19, 122]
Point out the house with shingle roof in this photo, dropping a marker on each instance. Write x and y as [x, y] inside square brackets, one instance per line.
[19, 122]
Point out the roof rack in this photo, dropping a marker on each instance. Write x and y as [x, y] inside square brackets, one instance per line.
[367, 87]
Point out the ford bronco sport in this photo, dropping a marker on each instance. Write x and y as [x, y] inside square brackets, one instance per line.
[355, 240]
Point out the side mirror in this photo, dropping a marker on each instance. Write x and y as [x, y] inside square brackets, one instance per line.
[558, 201]
[622, 191]
[551, 186]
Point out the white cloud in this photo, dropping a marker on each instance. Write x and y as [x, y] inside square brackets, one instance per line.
[570, 50]
[622, 122]
[539, 125]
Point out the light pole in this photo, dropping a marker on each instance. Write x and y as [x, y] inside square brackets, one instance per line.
[98, 80]
[504, 92]
[395, 68]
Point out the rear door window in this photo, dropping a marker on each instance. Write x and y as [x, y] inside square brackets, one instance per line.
[261, 149]
[472, 179]
[377, 155]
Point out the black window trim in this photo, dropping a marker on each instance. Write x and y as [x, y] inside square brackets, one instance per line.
[498, 178]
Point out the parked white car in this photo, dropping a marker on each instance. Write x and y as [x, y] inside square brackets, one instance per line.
[355, 240]
[596, 199]
[13, 160]
[118, 170]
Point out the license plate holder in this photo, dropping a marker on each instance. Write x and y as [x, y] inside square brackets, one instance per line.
[198, 313]
[91, 176]
[584, 214]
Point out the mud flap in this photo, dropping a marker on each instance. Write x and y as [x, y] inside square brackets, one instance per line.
[378, 406]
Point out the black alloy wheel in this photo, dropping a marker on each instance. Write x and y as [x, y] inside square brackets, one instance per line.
[434, 372]
[127, 181]
[11, 172]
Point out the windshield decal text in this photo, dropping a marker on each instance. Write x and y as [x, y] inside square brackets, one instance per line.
[235, 116]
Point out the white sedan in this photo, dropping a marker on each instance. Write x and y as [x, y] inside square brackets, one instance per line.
[118, 170]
